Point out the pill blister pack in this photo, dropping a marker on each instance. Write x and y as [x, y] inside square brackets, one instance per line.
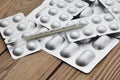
[83, 55]
[96, 25]
[23, 48]
[85, 32]
[13, 25]
[57, 15]
[37, 11]
[113, 6]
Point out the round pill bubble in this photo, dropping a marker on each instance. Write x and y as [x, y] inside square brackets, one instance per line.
[17, 18]
[116, 10]
[79, 4]
[61, 5]
[85, 58]
[53, 11]
[114, 26]
[72, 10]
[26, 35]
[108, 17]
[21, 27]
[69, 1]
[17, 51]
[45, 19]
[69, 50]
[96, 20]
[32, 45]
[109, 2]
[87, 32]
[83, 22]
[63, 17]
[8, 32]
[87, 12]
[102, 42]
[55, 24]
[32, 24]
[101, 29]
[4, 23]
[75, 35]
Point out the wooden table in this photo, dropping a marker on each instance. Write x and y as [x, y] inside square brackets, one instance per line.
[42, 66]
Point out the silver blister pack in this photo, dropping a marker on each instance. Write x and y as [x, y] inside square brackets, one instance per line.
[57, 15]
[13, 25]
[37, 11]
[22, 47]
[96, 25]
[84, 55]
[113, 6]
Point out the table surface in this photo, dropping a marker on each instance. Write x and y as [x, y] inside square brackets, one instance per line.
[41, 65]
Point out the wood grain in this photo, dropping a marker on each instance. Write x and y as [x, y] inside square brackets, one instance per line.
[41, 65]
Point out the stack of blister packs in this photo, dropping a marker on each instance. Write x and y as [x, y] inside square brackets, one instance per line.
[82, 48]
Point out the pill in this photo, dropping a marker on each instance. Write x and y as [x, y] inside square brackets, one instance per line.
[87, 12]
[8, 32]
[55, 24]
[27, 34]
[83, 22]
[53, 11]
[116, 10]
[69, 1]
[63, 17]
[61, 5]
[85, 58]
[54, 42]
[72, 10]
[79, 4]
[101, 29]
[32, 45]
[114, 26]
[17, 18]
[102, 42]
[4, 23]
[45, 19]
[75, 35]
[17, 51]
[69, 50]
[52, 2]
[109, 2]
[21, 26]
[32, 24]
[96, 20]
[108, 17]
[87, 32]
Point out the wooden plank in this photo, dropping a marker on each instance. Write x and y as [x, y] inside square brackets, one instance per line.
[34, 67]
[2, 45]
[108, 69]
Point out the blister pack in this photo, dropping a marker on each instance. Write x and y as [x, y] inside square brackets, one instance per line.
[113, 7]
[13, 25]
[37, 11]
[84, 55]
[57, 15]
[96, 25]
[23, 47]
